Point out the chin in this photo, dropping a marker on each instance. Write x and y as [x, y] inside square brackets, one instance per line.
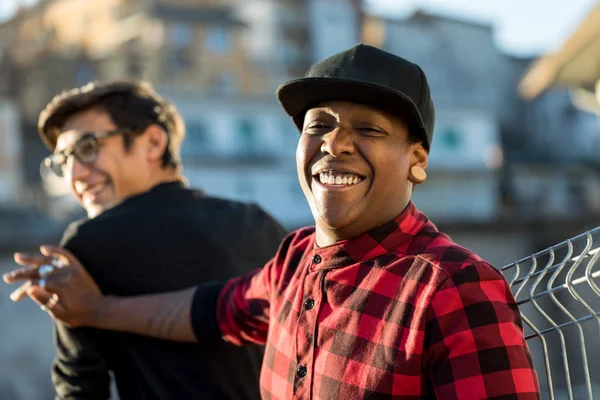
[336, 219]
[93, 211]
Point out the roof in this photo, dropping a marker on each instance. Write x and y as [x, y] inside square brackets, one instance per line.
[577, 63]
[426, 15]
[209, 15]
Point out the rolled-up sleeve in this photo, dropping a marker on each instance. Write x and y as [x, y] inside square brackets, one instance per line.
[243, 307]
[236, 311]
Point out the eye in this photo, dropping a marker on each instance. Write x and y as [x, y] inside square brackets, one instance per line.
[85, 150]
[371, 130]
[317, 126]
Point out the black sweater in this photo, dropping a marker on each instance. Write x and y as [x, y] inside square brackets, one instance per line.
[167, 239]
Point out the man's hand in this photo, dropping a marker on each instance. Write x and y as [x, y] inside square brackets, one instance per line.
[67, 293]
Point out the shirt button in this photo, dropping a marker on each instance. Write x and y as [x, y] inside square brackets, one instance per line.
[317, 259]
[309, 304]
[301, 371]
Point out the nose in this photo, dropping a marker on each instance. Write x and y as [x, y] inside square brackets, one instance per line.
[337, 142]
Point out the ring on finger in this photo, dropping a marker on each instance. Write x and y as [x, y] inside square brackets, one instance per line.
[52, 302]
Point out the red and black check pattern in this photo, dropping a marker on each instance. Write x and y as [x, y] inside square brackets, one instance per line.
[400, 312]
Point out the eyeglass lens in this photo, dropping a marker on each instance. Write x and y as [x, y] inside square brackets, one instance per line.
[85, 150]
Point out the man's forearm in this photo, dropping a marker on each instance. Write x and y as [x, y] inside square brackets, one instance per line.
[164, 316]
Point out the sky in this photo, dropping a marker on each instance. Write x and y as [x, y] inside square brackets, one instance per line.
[522, 27]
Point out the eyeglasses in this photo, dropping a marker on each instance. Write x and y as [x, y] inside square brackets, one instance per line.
[85, 150]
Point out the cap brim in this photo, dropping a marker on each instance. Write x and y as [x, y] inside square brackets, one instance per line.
[299, 95]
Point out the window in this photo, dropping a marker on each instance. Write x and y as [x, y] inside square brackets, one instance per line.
[289, 52]
[244, 187]
[180, 35]
[134, 66]
[247, 137]
[84, 75]
[218, 40]
[223, 82]
[178, 61]
[197, 140]
[450, 138]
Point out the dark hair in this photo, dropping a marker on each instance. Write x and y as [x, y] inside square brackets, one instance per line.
[130, 104]
[415, 136]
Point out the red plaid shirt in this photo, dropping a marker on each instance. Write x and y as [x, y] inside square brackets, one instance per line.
[398, 312]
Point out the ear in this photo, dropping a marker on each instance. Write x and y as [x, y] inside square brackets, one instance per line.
[156, 142]
[418, 155]
[419, 159]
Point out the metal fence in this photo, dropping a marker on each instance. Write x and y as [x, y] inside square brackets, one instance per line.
[559, 300]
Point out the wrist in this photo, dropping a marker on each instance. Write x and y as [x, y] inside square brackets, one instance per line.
[100, 313]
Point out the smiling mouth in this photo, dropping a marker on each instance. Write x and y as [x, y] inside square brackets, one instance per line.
[335, 178]
[94, 190]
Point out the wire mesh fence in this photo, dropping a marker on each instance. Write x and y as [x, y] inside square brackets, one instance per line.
[558, 294]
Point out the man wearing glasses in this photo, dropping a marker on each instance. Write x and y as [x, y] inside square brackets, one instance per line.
[117, 147]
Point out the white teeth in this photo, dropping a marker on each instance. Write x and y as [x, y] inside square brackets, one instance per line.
[332, 178]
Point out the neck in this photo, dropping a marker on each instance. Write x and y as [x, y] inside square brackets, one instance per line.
[165, 176]
[326, 235]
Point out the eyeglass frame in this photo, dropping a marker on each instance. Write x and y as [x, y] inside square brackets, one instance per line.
[66, 153]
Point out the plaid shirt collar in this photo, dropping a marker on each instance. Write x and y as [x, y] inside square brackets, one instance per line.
[391, 235]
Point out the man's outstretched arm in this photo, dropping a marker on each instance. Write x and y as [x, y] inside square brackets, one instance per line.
[81, 303]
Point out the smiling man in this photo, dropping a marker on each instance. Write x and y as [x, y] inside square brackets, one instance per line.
[371, 303]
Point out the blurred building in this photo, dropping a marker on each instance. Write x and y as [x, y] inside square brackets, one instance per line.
[11, 177]
[175, 43]
[219, 61]
[573, 72]
[575, 66]
[466, 152]
[493, 156]
[560, 92]
[287, 36]
[503, 167]
[560, 105]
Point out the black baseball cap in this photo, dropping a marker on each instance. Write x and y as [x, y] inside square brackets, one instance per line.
[367, 75]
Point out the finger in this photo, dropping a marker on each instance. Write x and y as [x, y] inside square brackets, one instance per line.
[44, 299]
[20, 293]
[59, 283]
[54, 285]
[39, 295]
[31, 259]
[21, 274]
[58, 312]
[58, 252]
